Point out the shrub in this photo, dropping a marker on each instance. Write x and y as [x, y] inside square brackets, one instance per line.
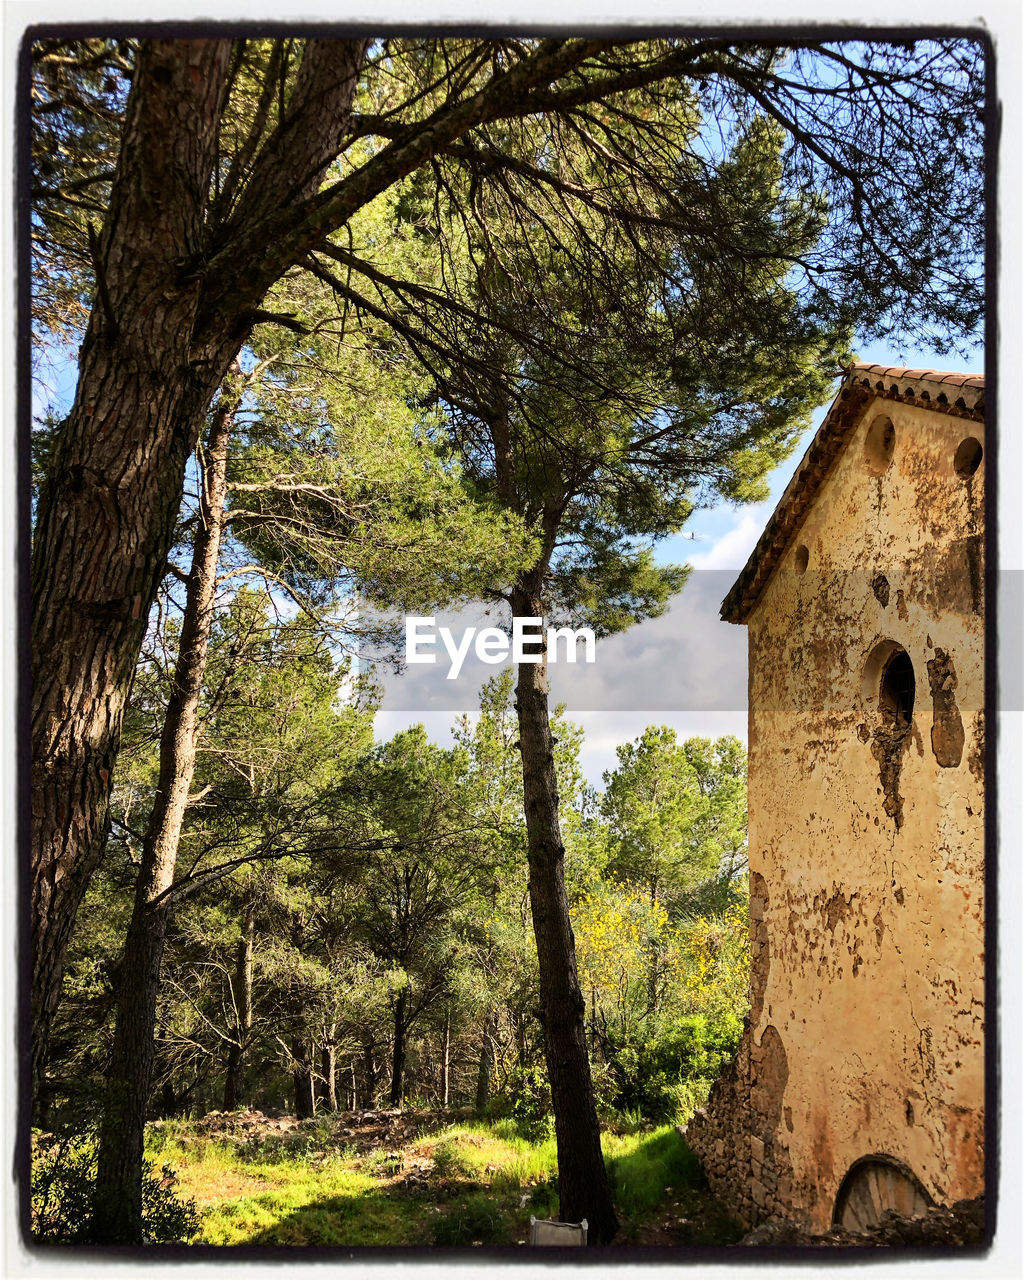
[525, 1099]
[63, 1178]
[450, 1162]
[668, 1074]
[474, 1220]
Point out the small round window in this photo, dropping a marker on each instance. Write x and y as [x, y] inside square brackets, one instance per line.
[967, 458]
[879, 445]
[801, 558]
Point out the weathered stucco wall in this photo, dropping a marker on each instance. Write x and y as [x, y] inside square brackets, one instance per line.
[866, 837]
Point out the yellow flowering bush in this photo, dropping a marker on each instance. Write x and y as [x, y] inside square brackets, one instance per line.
[713, 956]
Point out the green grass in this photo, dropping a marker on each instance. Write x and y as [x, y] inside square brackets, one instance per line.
[475, 1183]
[648, 1166]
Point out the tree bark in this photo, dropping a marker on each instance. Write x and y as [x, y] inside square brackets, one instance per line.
[328, 1088]
[117, 1209]
[583, 1187]
[234, 1076]
[106, 513]
[302, 1079]
[398, 1051]
[485, 1066]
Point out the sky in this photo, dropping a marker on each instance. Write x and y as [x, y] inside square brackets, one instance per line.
[686, 669]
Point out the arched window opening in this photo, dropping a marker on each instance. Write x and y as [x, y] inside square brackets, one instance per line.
[888, 688]
[879, 445]
[801, 558]
[967, 458]
[896, 690]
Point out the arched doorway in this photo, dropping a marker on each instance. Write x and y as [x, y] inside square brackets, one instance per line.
[873, 1184]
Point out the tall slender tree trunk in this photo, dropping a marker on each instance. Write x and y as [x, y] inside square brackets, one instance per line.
[106, 512]
[485, 1066]
[328, 1087]
[234, 1076]
[652, 971]
[583, 1187]
[446, 1057]
[398, 1051]
[369, 1095]
[117, 1209]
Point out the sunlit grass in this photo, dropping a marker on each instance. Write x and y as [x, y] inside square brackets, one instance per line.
[495, 1153]
[478, 1183]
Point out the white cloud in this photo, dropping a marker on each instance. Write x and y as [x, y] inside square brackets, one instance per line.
[732, 548]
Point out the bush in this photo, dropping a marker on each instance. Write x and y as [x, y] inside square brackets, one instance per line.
[632, 1120]
[450, 1162]
[668, 1075]
[63, 1179]
[525, 1099]
[475, 1220]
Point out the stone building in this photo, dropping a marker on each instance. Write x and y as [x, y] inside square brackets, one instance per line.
[859, 1083]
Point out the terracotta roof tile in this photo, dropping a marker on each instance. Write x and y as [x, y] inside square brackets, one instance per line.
[861, 383]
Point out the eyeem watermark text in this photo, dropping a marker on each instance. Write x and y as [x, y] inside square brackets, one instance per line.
[529, 642]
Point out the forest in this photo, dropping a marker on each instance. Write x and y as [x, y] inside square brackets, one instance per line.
[330, 331]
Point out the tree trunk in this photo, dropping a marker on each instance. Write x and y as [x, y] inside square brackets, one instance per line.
[485, 1067]
[117, 1210]
[234, 1077]
[368, 1099]
[328, 1089]
[106, 512]
[446, 1057]
[302, 1079]
[583, 1187]
[164, 328]
[398, 1054]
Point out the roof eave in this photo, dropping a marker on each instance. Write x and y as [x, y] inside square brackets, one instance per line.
[861, 384]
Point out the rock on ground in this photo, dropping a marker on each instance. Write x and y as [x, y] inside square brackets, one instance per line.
[943, 1226]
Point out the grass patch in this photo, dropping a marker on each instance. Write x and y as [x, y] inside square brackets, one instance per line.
[363, 1217]
[648, 1166]
[474, 1183]
[475, 1219]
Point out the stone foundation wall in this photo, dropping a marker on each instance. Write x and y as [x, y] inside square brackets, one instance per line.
[736, 1135]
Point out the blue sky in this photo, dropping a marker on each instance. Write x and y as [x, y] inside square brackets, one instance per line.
[686, 669]
[723, 531]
